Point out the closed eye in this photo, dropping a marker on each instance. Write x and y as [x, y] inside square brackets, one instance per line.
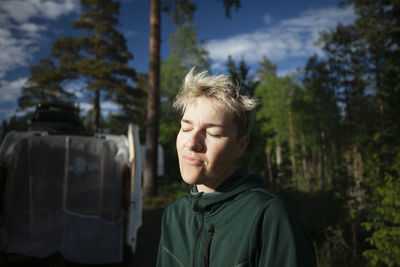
[214, 134]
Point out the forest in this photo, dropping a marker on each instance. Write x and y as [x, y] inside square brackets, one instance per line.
[326, 137]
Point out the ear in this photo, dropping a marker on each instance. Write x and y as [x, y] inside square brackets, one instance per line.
[242, 145]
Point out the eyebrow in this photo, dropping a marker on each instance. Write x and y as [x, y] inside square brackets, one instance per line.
[208, 125]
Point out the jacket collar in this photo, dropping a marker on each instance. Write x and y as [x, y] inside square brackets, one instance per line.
[237, 183]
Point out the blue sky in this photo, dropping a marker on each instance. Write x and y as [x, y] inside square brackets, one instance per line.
[285, 31]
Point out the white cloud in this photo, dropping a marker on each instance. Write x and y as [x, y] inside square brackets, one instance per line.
[15, 51]
[85, 107]
[107, 107]
[20, 37]
[19, 11]
[284, 40]
[11, 90]
[23, 11]
[76, 87]
[54, 9]
[32, 30]
[23, 24]
[317, 19]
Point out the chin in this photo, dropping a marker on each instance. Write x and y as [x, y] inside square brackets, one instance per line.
[190, 179]
[190, 176]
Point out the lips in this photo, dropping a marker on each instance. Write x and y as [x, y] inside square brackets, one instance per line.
[192, 161]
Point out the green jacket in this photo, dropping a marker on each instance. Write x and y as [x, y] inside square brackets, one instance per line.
[241, 224]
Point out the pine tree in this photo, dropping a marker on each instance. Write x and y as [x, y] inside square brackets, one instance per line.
[364, 62]
[99, 59]
[240, 73]
[44, 85]
[318, 122]
[265, 68]
[275, 116]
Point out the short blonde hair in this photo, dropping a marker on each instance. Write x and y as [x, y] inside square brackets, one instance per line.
[222, 92]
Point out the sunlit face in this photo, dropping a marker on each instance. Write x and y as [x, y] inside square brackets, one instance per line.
[207, 145]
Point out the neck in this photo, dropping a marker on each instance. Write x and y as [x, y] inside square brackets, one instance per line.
[205, 188]
[208, 188]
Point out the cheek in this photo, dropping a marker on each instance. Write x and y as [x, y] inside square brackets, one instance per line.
[179, 142]
[221, 152]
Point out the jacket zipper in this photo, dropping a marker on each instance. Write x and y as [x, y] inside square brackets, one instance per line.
[206, 252]
[196, 241]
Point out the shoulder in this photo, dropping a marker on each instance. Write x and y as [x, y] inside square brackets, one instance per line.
[262, 193]
[260, 202]
[177, 206]
[259, 195]
[278, 213]
[268, 203]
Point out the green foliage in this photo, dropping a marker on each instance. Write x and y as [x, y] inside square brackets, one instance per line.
[317, 119]
[346, 128]
[384, 219]
[240, 73]
[346, 63]
[254, 159]
[273, 93]
[275, 116]
[266, 67]
[183, 44]
[363, 59]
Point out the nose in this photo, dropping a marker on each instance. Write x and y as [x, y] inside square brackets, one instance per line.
[195, 142]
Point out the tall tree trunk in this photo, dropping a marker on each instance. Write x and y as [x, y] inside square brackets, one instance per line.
[355, 170]
[292, 147]
[96, 109]
[150, 169]
[318, 167]
[96, 101]
[306, 174]
[358, 192]
[378, 84]
[269, 165]
[278, 154]
[323, 158]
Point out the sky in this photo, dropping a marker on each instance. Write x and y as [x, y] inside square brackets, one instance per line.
[285, 31]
